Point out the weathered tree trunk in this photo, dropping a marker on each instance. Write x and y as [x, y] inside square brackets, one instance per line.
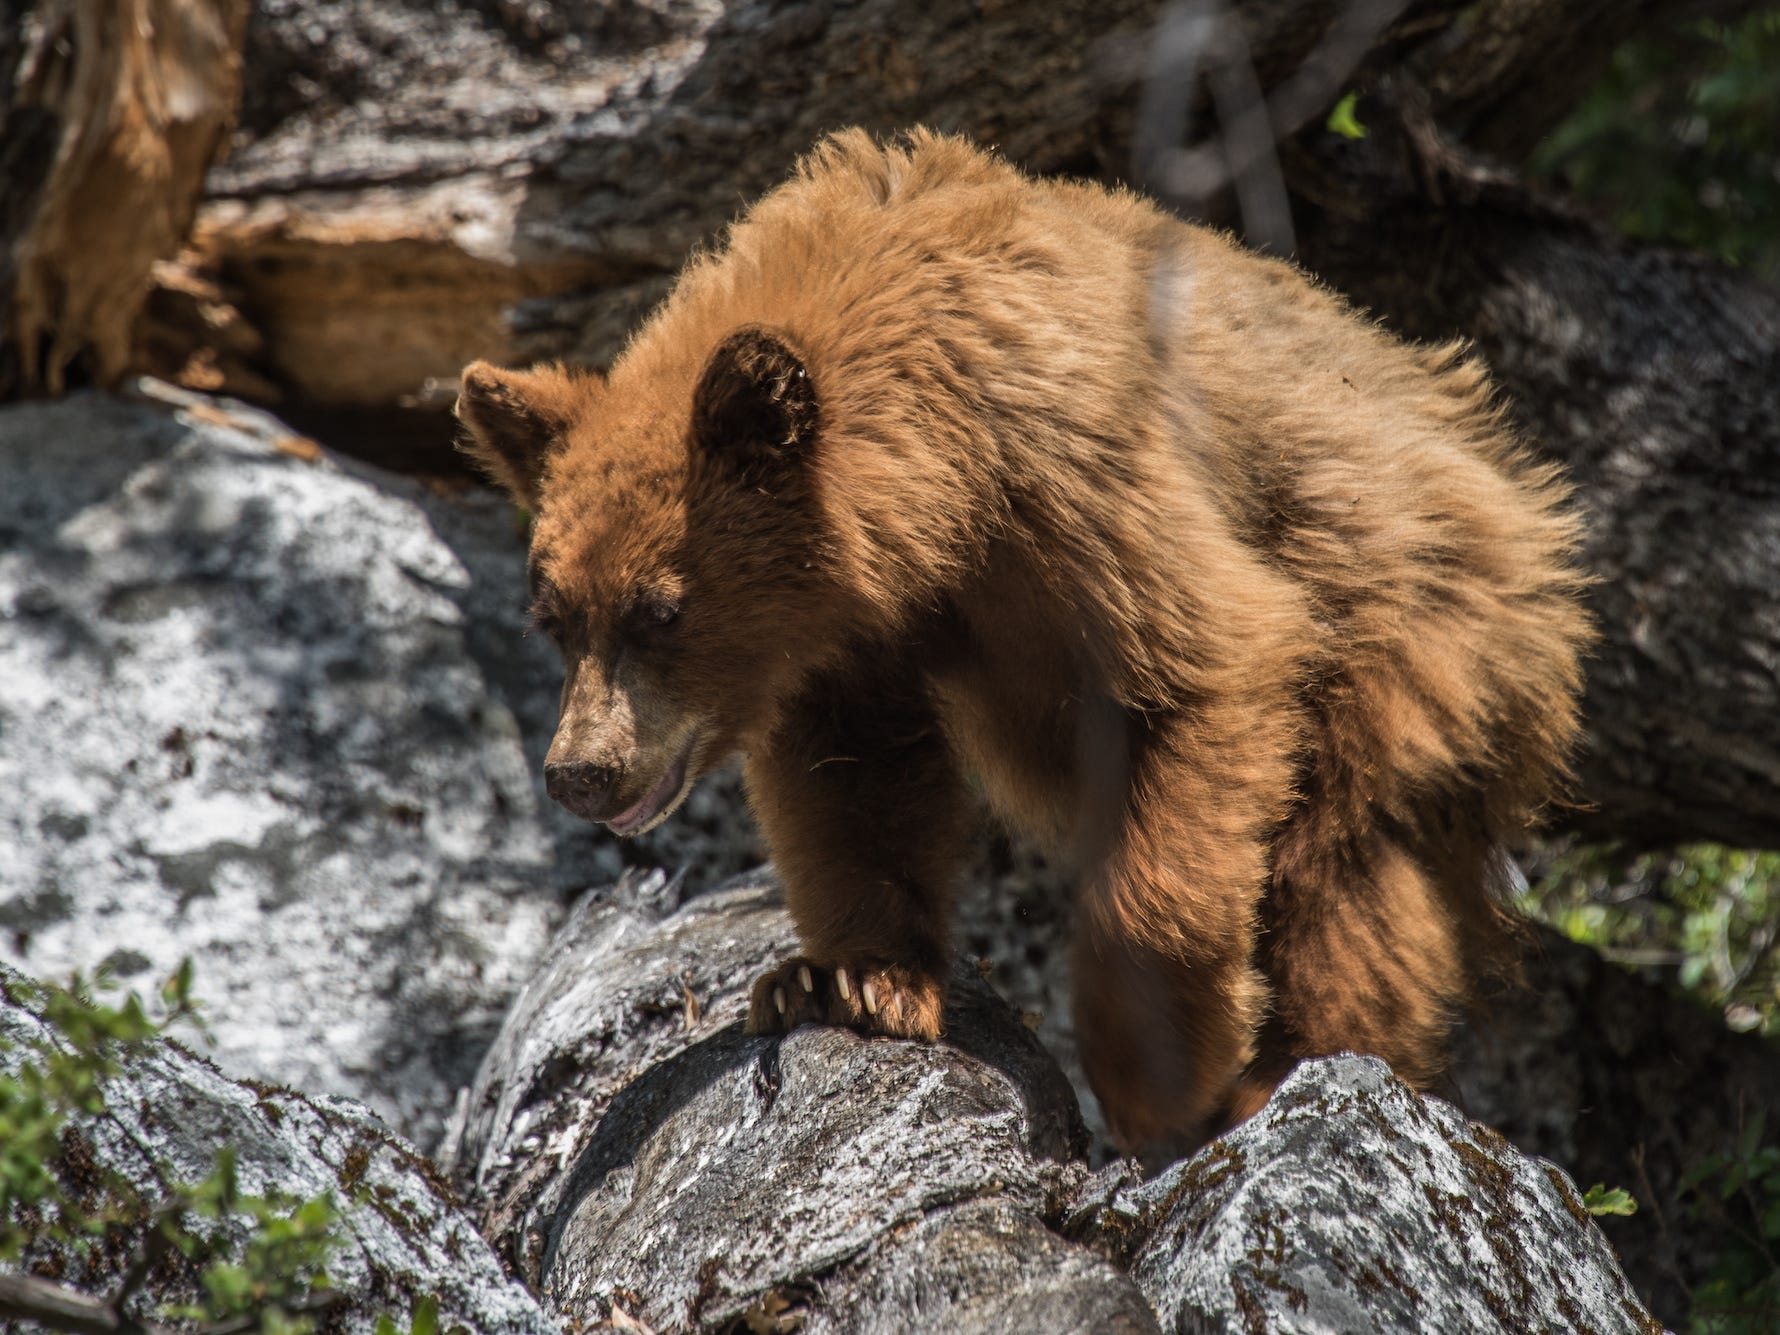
[110, 113]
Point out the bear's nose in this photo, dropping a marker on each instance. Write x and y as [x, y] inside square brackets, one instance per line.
[581, 786]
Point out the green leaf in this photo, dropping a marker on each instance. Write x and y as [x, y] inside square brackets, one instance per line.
[230, 1287]
[1735, 1174]
[1753, 1131]
[1770, 1223]
[1703, 1171]
[176, 992]
[1342, 119]
[385, 1325]
[1599, 1201]
[426, 1316]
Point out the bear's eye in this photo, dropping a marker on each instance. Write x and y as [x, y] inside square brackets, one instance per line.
[542, 615]
[655, 611]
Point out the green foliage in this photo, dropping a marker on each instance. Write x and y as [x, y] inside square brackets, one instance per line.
[1678, 141]
[1343, 120]
[1707, 916]
[288, 1242]
[1737, 1195]
[1598, 1200]
[62, 1074]
[1708, 919]
[425, 1320]
[54, 1081]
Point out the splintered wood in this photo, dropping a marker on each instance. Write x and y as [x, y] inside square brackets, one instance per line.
[127, 101]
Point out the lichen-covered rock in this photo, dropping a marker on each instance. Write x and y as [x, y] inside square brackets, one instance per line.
[749, 1166]
[1353, 1204]
[981, 1266]
[402, 1235]
[1609, 1075]
[631, 979]
[633, 1148]
[277, 712]
[1586, 1064]
[240, 724]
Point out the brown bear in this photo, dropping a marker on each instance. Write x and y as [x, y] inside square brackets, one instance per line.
[936, 478]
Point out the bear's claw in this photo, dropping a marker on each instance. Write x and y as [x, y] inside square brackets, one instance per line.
[873, 998]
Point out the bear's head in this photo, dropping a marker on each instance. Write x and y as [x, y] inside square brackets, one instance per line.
[676, 558]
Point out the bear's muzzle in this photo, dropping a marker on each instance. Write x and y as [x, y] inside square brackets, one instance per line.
[582, 787]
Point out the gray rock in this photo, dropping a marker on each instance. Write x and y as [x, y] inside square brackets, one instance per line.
[1587, 1064]
[982, 1266]
[631, 979]
[633, 1148]
[1612, 1076]
[1352, 1204]
[240, 723]
[751, 1167]
[402, 1235]
[278, 712]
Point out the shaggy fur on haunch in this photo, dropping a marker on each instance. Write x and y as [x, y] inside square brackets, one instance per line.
[935, 473]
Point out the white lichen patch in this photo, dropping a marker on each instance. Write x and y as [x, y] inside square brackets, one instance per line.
[1352, 1203]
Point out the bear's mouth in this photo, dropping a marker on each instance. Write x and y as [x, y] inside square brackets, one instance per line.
[658, 803]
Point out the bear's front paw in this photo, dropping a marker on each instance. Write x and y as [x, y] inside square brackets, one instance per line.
[871, 997]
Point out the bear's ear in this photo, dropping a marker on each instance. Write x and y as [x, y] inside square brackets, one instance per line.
[755, 406]
[515, 419]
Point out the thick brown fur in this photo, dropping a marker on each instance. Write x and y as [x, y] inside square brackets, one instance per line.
[1252, 612]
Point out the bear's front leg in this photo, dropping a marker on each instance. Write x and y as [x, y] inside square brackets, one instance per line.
[873, 997]
[865, 818]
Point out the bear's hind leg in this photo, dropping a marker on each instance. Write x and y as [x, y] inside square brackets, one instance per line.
[1162, 1037]
[1366, 950]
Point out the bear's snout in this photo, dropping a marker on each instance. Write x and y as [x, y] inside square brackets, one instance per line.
[582, 787]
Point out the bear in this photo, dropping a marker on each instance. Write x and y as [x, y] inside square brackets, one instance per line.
[936, 482]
